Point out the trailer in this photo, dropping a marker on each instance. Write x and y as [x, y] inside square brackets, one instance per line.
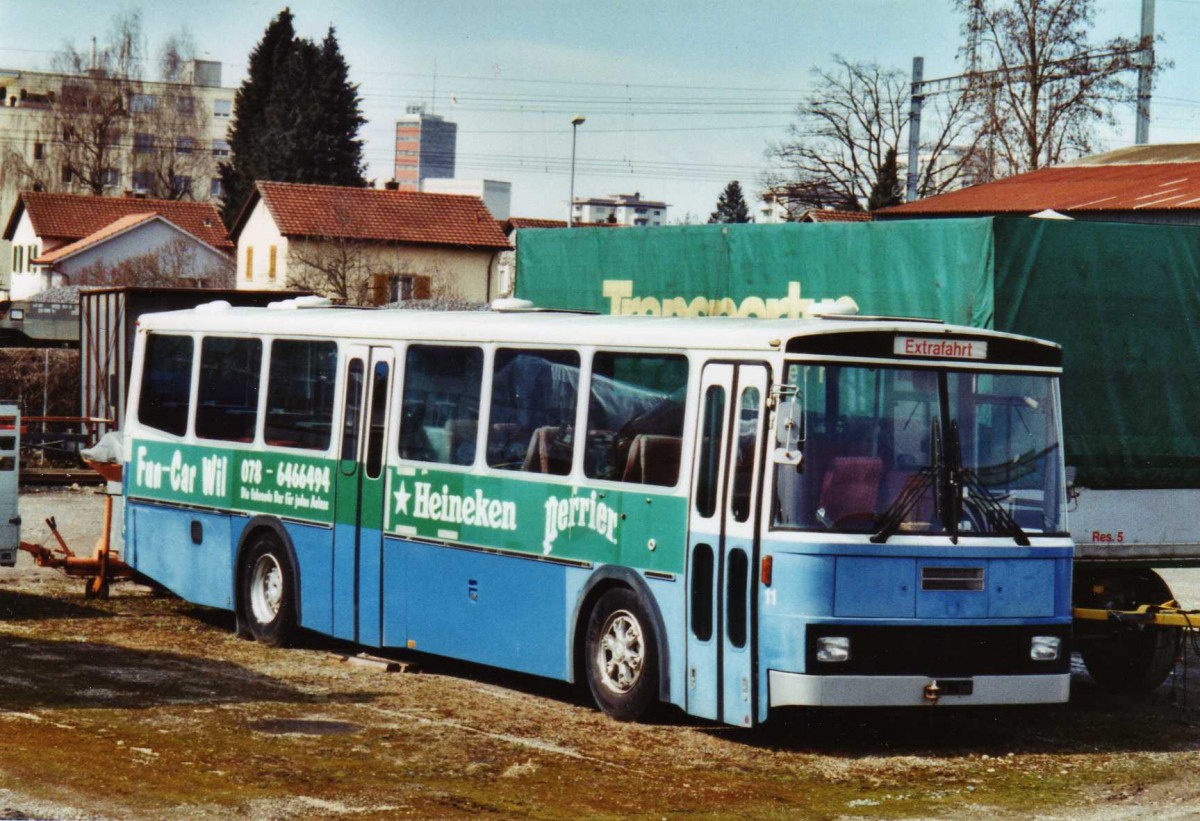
[1122, 299]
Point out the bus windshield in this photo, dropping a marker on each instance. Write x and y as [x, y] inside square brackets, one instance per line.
[891, 450]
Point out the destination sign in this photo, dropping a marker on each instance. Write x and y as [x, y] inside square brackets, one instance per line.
[939, 347]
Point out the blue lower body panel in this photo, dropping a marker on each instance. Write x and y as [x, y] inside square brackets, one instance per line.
[164, 548]
[314, 553]
[491, 609]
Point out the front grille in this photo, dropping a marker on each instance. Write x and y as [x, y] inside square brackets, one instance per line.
[951, 578]
[937, 651]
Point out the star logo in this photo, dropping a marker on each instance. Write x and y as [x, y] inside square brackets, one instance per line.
[402, 496]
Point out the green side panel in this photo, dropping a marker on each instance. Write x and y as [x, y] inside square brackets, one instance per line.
[1124, 302]
[295, 487]
[642, 529]
[939, 269]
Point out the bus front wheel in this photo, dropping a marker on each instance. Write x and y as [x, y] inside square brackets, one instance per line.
[622, 657]
[268, 592]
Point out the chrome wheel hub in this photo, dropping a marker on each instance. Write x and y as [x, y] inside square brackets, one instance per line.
[266, 589]
[620, 655]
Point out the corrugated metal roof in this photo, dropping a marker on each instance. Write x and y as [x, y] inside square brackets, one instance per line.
[830, 215]
[1162, 186]
[1142, 154]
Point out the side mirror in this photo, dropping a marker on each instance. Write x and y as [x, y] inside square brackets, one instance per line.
[789, 426]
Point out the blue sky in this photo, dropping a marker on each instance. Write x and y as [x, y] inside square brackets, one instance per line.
[680, 97]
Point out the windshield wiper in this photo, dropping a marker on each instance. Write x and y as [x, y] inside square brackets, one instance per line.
[996, 517]
[908, 497]
[995, 513]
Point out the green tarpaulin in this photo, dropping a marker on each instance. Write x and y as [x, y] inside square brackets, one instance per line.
[928, 268]
[1122, 299]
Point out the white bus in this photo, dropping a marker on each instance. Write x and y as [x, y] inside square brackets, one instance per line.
[726, 515]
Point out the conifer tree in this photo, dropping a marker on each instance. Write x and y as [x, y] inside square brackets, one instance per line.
[731, 205]
[887, 188]
[339, 152]
[247, 135]
[297, 117]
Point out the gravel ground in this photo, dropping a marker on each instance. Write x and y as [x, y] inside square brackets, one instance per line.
[145, 707]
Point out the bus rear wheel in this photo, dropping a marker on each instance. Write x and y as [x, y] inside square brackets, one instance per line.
[622, 656]
[268, 585]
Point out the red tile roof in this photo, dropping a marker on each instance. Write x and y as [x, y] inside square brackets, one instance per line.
[1168, 186]
[110, 230]
[376, 215]
[70, 217]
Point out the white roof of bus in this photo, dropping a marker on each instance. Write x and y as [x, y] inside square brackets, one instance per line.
[533, 327]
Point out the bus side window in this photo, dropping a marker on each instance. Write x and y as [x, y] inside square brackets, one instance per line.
[227, 397]
[440, 416]
[532, 420]
[708, 486]
[744, 461]
[352, 415]
[300, 394]
[166, 383]
[635, 418]
[380, 379]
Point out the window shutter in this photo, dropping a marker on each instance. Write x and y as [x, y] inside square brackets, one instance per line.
[379, 289]
[421, 287]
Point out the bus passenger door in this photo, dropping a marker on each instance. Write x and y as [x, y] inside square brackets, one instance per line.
[361, 480]
[722, 544]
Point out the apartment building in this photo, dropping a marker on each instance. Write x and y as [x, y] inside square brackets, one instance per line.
[160, 140]
[620, 209]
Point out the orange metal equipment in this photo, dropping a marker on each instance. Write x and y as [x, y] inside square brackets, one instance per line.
[104, 566]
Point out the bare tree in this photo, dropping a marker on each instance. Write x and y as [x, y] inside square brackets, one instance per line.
[84, 132]
[837, 153]
[168, 146]
[85, 124]
[336, 267]
[41, 381]
[177, 264]
[352, 271]
[1048, 87]
[177, 51]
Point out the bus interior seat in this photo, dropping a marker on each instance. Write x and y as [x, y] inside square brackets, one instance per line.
[851, 486]
[460, 440]
[653, 460]
[547, 452]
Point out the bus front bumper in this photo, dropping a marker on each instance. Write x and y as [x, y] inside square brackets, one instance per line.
[799, 690]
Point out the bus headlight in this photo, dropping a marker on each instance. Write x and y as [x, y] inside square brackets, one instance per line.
[1045, 648]
[833, 648]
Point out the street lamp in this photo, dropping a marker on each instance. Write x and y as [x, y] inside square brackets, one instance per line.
[576, 121]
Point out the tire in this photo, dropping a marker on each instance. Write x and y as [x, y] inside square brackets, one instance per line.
[622, 656]
[1132, 660]
[268, 588]
[1127, 659]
